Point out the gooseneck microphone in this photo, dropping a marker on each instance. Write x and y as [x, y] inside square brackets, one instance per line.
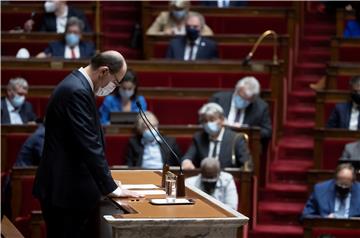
[180, 180]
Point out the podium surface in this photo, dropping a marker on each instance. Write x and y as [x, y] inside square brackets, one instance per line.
[206, 218]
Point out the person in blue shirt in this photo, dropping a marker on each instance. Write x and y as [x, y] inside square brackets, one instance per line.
[352, 28]
[123, 100]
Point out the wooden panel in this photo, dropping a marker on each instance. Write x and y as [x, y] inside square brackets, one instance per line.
[336, 69]
[350, 45]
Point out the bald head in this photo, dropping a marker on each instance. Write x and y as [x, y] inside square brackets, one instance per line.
[111, 59]
[210, 168]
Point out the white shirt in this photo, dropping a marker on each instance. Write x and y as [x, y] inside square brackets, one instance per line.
[61, 21]
[152, 158]
[354, 117]
[82, 70]
[232, 114]
[223, 3]
[188, 49]
[337, 207]
[14, 115]
[212, 144]
[67, 54]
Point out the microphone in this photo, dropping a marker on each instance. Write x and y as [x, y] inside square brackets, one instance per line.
[249, 56]
[180, 180]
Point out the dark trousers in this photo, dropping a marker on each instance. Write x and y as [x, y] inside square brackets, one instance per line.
[70, 222]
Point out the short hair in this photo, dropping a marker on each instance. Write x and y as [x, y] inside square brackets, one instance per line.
[210, 109]
[348, 166]
[354, 80]
[113, 62]
[18, 81]
[180, 3]
[251, 84]
[72, 21]
[140, 124]
[207, 162]
[199, 16]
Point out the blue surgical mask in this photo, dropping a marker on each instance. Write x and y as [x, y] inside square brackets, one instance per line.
[17, 101]
[72, 39]
[241, 103]
[179, 14]
[126, 93]
[212, 128]
[191, 33]
[147, 137]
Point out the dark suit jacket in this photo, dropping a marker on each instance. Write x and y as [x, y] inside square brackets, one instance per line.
[199, 149]
[26, 112]
[49, 20]
[340, 116]
[256, 114]
[232, 3]
[31, 151]
[136, 150]
[207, 49]
[322, 201]
[57, 49]
[73, 172]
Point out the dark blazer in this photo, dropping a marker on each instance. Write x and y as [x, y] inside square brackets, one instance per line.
[207, 49]
[232, 3]
[26, 112]
[135, 152]
[57, 49]
[322, 201]
[256, 114]
[31, 151]
[49, 20]
[199, 149]
[73, 171]
[340, 116]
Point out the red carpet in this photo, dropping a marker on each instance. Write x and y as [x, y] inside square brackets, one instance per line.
[282, 200]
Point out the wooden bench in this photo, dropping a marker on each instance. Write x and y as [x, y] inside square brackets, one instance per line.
[315, 227]
[338, 74]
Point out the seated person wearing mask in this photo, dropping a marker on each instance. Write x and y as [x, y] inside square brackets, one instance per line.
[224, 3]
[72, 47]
[172, 22]
[31, 151]
[351, 151]
[216, 141]
[14, 107]
[213, 181]
[192, 46]
[335, 198]
[244, 107]
[124, 99]
[347, 115]
[145, 152]
[57, 13]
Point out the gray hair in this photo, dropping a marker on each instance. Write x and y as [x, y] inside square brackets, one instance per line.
[18, 81]
[75, 21]
[210, 162]
[210, 109]
[140, 124]
[251, 85]
[199, 16]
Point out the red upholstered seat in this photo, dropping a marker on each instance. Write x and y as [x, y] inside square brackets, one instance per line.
[332, 149]
[349, 53]
[39, 77]
[14, 142]
[11, 48]
[338, 233]
[39, 105]
[116, 149]
[184, 142]
[342, 82]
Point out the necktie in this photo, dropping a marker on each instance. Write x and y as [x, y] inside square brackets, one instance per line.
[238, 114]
[191, 51]
[215, 149]
[73, 56]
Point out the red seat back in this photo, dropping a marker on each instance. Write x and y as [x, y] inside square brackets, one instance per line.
[349, 53]
[332, 149]
[116, 149]
[14, 142]
[338, 233]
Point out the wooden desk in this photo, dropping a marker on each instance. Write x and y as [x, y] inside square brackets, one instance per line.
[207, 215]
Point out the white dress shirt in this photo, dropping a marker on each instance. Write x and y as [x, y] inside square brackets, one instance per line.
[152, 158]
[212, 144]
[195, 49]
[354, 117]
[82, 70]
[232, 114]
[14, 115]
[223, 3]
[68, 55]
[61, 21]
[337, 212]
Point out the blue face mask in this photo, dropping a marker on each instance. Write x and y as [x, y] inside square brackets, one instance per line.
[179, 14]
[147, 137]
[72, 39]
[212, 128]
[241, 103]
[191, 33]
[126, 93]
[17, 101]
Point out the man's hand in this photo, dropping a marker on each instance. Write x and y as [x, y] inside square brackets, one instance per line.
[331, 215]
[28, 25]
[119, 192]
[187, 164]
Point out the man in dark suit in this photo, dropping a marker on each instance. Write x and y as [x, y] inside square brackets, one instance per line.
[73, 173]
[145, 152]
[14, 107]
[71, 47]
[244, 107]
[216, 141]
[192, 46]
[57, 13]
[351, 151]
[347, 115]
[335, 198]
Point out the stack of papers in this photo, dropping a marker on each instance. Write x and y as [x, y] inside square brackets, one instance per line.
[144, 189]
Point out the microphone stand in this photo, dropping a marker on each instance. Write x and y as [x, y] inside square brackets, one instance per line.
[180, 182]
[257, 43]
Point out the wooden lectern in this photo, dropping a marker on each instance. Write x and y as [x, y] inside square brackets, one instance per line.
[206, 218]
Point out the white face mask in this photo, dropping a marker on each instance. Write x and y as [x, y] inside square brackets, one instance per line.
[17, 100]
[105, 90]
[49, 6]
[126, 93]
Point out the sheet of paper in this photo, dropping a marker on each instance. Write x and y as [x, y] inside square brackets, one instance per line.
[150, 192]
[139, 186]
